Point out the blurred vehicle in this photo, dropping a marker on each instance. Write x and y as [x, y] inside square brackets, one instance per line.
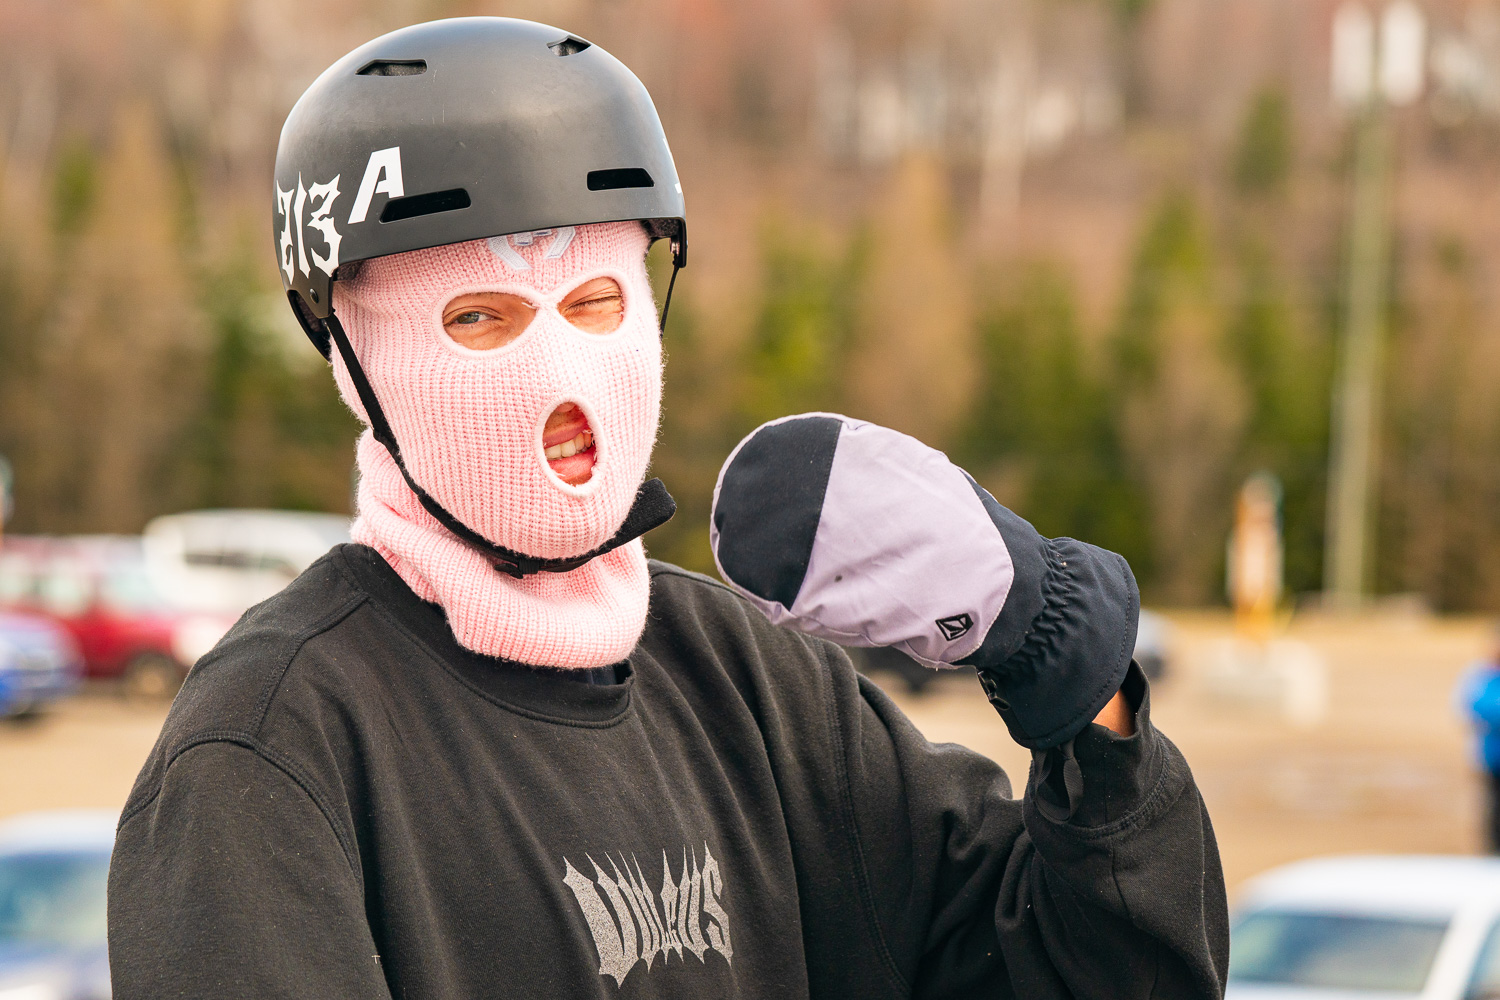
[54, 867]
[144, 609]
[1151, 642]
[39, 663]
[1351, 928]
[97, 587]
[224, 562]
[1152, 639]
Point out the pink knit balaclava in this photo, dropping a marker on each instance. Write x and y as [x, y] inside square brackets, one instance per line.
[470, 426]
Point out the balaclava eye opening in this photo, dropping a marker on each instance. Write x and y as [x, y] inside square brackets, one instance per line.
[471, 424]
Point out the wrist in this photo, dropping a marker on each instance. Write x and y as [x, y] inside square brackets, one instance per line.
[1117, 715]
[1073, 655]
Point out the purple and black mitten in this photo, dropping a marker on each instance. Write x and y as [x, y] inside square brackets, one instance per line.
[865, 536]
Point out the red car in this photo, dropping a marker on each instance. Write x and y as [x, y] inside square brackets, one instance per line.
[97, 588]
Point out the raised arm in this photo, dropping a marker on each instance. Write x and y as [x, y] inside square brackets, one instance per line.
[1106, 881]
[986, 897]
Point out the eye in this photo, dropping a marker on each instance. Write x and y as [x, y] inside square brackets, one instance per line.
[483, 320]
[596, 306]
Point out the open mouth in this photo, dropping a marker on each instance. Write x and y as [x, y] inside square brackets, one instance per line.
[568, 443]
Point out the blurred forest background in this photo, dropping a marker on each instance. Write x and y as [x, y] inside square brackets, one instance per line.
[1094, 249]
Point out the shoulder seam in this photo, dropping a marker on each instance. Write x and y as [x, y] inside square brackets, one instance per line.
[667, 569]
[300, 639]
[277, 760]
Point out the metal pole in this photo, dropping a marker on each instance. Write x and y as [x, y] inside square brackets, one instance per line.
[1356, 401]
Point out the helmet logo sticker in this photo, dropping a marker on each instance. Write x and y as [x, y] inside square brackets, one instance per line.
[292, 205]
[382, 176]
[501, 247]
[324, 195]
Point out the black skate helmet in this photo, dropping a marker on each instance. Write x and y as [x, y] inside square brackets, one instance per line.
[458, 130]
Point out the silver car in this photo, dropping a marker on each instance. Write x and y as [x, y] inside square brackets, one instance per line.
[1369, 928]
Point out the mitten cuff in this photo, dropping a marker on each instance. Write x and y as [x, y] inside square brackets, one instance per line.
[1064, 641]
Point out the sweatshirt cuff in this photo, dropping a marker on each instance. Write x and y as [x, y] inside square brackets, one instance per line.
[1061, 646]
[1125, 780]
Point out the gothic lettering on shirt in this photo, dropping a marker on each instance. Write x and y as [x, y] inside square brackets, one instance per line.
[639, 925]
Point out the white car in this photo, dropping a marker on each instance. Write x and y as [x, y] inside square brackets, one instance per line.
[219, 563]
[1369, 928]
[54, 867]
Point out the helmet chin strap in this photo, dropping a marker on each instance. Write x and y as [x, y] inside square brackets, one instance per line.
[653, 505]
[667, 304]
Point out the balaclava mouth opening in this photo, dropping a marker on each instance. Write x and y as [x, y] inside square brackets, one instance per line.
[472, 429]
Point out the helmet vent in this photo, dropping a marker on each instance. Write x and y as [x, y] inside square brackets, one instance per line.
[424, 204]
[626, 177]
[568, 46]
[394, 67]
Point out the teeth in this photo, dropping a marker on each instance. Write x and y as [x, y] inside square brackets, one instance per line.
[583, 442]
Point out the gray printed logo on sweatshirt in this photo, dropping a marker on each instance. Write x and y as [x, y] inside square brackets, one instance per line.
[639, 925]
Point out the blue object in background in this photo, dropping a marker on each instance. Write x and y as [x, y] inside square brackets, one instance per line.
[1479, 698]
[54, 869]
[39, 663]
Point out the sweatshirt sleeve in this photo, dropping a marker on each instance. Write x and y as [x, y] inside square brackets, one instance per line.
[983, 896]
[231, 883]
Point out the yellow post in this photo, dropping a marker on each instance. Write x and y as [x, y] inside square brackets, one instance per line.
[1255, 558]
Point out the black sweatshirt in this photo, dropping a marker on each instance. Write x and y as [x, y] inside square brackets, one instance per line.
[345, 803]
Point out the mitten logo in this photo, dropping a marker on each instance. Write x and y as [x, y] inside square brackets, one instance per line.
[955, 626]
[639, 925]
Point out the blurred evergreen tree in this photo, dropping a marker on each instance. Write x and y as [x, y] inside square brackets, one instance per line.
[1180, 403]
[1287, 376]
[796, 357]
[117, 342]
[1042, 417]
[75, 183]
[18, 382]
[1263, 160]
[1132, 11]
[1439, 478]
[272, 430]
[908, 360]
[695, 435]
[1285, 367]
[1131, 43]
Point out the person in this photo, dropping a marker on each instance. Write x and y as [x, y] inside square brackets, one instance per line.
[1479, 699]
[489, 749]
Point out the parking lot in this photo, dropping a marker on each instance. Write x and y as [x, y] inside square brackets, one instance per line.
[1386, 770]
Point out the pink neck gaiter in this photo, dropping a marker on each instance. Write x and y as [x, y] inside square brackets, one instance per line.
[470, 427]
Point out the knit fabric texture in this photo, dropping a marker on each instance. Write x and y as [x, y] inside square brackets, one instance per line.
[470, 427]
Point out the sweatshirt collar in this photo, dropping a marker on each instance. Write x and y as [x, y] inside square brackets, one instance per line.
[551, 694]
